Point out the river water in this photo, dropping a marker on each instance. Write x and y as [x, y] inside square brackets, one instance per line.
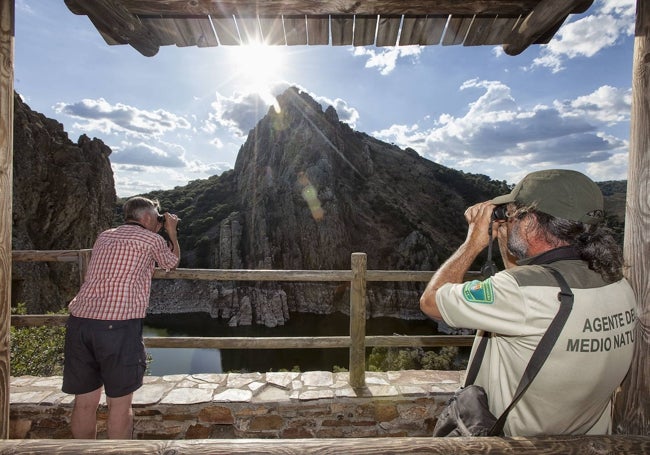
[182, 360]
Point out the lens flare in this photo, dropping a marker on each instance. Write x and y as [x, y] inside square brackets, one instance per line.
[310, 195]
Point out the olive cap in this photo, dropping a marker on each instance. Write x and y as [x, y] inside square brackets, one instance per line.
[561, 193]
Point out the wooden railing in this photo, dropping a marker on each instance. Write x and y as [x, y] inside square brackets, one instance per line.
[358, 276]
[536, 445]
[357, 341]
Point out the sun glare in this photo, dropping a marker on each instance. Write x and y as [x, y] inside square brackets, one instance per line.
[260, 66]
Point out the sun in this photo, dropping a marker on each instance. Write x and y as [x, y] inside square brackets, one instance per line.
[259, 68]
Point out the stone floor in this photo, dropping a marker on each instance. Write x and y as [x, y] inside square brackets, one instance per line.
[251, 387]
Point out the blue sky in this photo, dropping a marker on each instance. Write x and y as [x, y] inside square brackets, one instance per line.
[183, 114]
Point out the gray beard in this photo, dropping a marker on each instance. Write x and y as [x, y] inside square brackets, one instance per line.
[517, 246]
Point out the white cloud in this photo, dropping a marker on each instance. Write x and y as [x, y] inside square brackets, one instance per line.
[146, 155]
[217, 143]
[100, 115]
[23, 7]
[386, 59]
[613, 169]
[499, 136]
[606, 104]
[585, 37]
[240, 112]
[404, 135]
[204, 169]
[346, 113]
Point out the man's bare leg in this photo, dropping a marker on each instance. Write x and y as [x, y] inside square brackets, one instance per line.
[120, 417]
[84, 415]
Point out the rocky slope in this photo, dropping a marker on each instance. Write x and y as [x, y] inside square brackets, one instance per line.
[305, 193]
[63, 196]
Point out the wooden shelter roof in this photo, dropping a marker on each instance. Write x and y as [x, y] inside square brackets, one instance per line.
[148, 24]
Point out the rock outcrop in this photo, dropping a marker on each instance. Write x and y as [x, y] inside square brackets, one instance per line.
[305, 193]
[63, 196]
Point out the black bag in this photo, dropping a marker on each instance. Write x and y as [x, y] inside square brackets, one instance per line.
[466, 414]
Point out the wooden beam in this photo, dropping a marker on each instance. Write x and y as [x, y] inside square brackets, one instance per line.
[113, 19]
[358, 320]
[456, 30]
[295, 28]
[388, 30]
[293, 342]
[139, 22]
[632, 406]
[7, 24]
[319, 30]
[541, 445]
[48, 255]
[226, 8]
[546, 15]
[365, 28]
[330, 342]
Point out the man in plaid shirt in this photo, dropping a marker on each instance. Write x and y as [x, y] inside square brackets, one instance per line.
[103, 345]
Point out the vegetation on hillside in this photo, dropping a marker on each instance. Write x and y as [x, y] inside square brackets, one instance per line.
[201, 205]
[611, 187]
[36, 351]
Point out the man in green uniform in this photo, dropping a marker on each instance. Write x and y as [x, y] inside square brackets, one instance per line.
[551, 217]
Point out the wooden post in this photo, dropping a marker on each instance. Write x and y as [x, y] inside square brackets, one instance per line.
[358, 321]
[632, 406]
[6, 186]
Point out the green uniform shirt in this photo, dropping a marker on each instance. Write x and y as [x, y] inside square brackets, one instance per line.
[572, 392]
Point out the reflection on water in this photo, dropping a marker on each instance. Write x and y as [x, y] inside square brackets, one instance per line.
[190, 360]
[180, 360]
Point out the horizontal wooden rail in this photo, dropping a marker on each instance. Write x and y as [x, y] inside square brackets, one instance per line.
[540, 445]
[305, 342]
[46, 255]
[254, 275]
[36, 320]
[265, 342]
[356, 342]
[239, 274]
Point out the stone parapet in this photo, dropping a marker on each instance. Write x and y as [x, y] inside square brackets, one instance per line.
[314, 404]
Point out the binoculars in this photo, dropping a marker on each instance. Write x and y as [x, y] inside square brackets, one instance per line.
[500, 213]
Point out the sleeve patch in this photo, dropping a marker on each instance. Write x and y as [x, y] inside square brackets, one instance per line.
[478, 291]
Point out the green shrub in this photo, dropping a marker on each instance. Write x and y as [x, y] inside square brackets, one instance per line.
[36, 351]
[393, 359]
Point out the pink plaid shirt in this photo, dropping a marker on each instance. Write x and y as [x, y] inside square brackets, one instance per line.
[118, 281]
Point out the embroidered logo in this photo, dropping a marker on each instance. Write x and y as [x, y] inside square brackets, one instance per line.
[478, 291]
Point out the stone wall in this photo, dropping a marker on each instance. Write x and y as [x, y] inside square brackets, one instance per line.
[314, 404]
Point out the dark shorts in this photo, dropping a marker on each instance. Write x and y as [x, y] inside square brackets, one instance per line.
[108, 353]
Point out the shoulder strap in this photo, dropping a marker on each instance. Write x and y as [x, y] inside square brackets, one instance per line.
[541, 353]
[472, 371]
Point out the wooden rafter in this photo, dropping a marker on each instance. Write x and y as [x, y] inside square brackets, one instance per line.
[148, 24]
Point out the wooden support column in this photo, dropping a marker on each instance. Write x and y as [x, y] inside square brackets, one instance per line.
[358, 321]
[6, 185]
[632, 407]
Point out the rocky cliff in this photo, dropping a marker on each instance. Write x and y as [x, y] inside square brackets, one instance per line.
[305, 193]
[63, 196]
